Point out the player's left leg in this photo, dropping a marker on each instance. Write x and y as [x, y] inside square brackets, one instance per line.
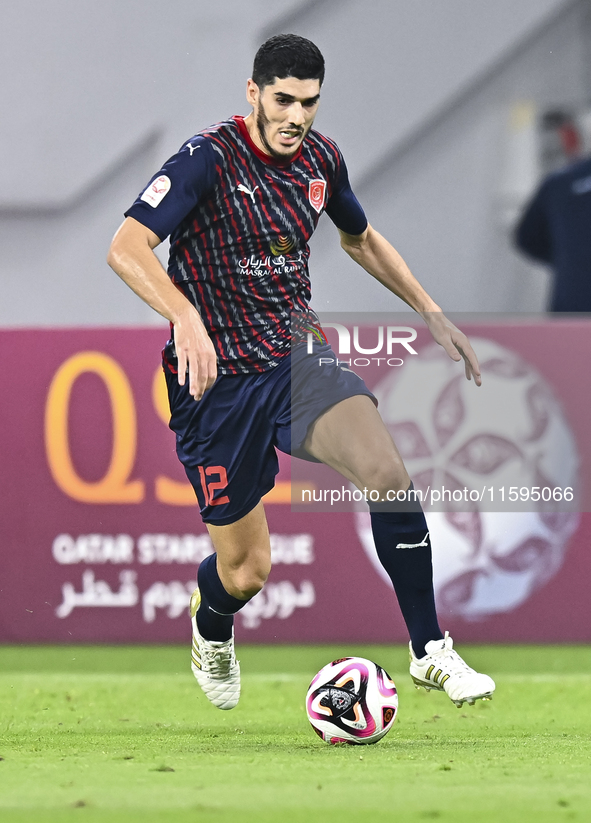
[352, 438]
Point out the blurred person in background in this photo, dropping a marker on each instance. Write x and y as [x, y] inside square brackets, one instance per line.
[555, 229]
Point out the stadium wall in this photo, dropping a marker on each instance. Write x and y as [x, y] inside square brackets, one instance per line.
[418, 95]
[101, 536]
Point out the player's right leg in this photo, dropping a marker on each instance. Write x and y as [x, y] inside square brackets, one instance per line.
[225, 443]
[227, 580]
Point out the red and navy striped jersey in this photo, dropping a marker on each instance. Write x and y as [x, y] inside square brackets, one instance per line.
[239, 223]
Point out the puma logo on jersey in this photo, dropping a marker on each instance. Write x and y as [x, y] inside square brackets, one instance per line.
[246, 190]
[192, 148]
[413, 545]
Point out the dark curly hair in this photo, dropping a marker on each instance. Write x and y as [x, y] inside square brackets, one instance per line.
[287, 55]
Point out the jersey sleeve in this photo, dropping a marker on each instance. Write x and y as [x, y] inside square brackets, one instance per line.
[343, 207]
[177, 188]
[533, 234]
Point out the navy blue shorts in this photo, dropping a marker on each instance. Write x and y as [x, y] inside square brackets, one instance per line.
[226, 441]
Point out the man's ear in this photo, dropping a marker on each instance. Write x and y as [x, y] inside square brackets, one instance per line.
[252, 91]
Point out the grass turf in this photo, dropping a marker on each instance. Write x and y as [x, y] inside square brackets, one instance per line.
[124, 734]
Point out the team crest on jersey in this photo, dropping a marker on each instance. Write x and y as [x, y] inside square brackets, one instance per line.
[317, 193]
[157, 191]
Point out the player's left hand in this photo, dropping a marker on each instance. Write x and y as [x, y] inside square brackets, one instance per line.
[455, 343]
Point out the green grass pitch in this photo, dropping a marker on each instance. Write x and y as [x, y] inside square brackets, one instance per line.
[124, 735]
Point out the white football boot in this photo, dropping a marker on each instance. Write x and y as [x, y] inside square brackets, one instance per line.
[214, 664]
[444, 670]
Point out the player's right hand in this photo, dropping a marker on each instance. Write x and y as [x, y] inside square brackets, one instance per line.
[195, 353]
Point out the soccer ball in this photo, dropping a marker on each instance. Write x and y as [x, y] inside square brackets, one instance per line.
[351, 700]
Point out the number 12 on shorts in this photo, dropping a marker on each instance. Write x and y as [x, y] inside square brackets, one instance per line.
[211, 487]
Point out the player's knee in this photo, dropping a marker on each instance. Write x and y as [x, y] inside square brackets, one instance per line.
[385, 478]
[248, 580]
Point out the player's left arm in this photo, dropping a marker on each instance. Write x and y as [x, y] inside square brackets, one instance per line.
[378, 257]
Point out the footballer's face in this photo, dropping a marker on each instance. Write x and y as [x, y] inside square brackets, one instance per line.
[283, 113]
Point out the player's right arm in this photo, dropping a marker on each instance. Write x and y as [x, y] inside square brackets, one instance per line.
[166, 201]
[132, 257]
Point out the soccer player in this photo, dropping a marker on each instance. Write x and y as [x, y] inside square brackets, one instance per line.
[240, 201]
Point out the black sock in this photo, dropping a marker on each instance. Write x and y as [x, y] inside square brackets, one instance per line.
[215, 615]
[404, 549]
